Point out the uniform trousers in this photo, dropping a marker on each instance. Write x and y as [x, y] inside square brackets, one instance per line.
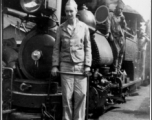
[118, 46]
[74, 90]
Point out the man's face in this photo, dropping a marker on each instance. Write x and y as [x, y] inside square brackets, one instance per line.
[119, 10]
[70, 12]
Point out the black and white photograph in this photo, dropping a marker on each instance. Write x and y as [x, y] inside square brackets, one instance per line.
[75, 59]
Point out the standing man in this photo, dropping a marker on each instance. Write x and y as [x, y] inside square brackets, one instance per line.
[72, 53]
[116, 35]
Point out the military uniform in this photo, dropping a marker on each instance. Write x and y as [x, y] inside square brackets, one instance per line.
[117, 26]
[72, 47]
[72, 52]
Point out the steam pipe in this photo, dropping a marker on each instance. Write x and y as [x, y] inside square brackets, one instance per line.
[16, 13]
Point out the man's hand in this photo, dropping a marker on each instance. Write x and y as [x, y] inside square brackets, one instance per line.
[107, 35]
[111, 37]
[54, 71]
[122, 17]
[86, 70]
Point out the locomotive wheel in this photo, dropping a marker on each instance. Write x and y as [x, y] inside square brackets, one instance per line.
[93, 99]
[98, 112]
[97, 100]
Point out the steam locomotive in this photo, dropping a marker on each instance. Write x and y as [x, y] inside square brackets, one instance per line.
[29, 90]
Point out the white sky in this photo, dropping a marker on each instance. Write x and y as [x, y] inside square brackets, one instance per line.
[141, 6]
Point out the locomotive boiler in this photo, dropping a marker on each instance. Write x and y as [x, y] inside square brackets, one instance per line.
[31, 92]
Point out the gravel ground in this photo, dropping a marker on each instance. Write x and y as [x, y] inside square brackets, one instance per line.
[136, 108]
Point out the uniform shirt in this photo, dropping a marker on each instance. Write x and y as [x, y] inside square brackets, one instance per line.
[117, 25]
[72, 46]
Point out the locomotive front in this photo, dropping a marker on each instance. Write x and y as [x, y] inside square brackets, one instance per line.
[32, 88]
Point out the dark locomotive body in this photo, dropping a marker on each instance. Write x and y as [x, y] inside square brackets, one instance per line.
[29, 90]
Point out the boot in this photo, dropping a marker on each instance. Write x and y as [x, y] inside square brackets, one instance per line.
[116, 70]
[115, 66]
[120, 62]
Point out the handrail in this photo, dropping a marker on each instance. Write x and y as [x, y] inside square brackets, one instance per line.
[71, 73]
[12, 73]
[129, 33]
[8, 111]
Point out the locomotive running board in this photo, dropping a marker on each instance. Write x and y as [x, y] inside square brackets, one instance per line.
[130, 83]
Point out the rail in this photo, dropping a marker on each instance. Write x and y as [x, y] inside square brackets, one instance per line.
[130, 83]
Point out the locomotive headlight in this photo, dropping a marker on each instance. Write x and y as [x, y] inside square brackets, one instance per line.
[39, 6]
[31, 6]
